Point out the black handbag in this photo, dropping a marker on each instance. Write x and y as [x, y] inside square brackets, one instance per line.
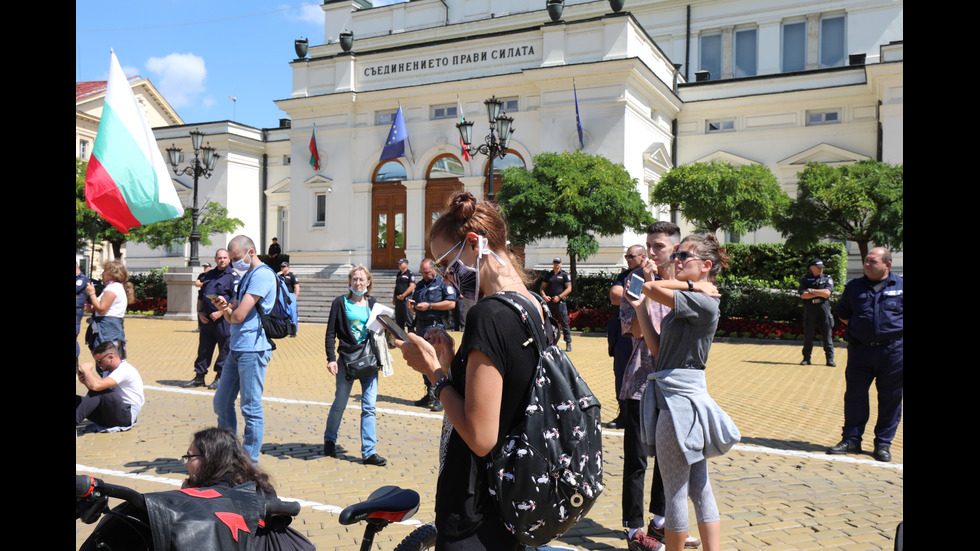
[359, 360]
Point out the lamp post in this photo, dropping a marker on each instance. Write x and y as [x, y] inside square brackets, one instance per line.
[204, 162]
[495, 145]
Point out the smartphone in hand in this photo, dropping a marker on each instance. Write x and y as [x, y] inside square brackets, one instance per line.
[635, 288]
[393, 327]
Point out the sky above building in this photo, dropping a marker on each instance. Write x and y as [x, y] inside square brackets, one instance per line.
[212, 60]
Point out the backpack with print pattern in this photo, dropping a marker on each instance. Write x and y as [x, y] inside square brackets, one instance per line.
[546, 472]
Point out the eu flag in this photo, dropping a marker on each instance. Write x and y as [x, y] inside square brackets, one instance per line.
[395, 144]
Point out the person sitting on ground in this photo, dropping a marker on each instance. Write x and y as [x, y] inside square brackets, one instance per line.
[216, 458]
[114, 400]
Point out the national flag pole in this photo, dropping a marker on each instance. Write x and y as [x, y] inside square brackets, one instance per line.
[578, 118]
[314, 151]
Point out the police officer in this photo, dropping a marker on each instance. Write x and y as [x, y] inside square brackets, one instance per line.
[404, 287]
[556, 286]
[81, 298]
[815, 290]
[872, 307]
[221, 281]
[431, 301]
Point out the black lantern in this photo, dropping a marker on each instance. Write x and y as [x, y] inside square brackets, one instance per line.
[205, 160]
[495, 144]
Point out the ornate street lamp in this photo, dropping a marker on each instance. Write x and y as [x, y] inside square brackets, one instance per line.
[205, 159]
[493, 146]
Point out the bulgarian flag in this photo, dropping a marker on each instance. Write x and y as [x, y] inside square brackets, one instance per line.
[127, 181]
[314, 152]
[462, 147]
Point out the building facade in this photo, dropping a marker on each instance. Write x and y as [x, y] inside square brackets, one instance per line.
[658, 84]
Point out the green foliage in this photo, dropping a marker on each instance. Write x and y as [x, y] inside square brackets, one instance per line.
[777, 266]
[717, 195]
[863, 202]
[591, 291]
[212, 219]
[573, 196]
[150, 284]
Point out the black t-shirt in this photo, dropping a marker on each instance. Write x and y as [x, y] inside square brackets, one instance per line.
[462, 495]
[403, 281]
[557, 283]
[290, 280]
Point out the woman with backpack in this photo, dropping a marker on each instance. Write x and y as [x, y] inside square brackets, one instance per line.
[482, 386]
[348, 325]
[672, 409]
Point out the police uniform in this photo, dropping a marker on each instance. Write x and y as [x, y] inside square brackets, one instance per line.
[432, 292]
[403, 316]
[817, 316]
[81, 298]
[556, 283]
[215, 332]
[875, 352]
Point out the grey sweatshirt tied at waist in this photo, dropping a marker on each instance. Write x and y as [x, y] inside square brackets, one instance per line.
[703, 429]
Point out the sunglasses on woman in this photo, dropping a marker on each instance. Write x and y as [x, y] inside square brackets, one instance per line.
[684, 256]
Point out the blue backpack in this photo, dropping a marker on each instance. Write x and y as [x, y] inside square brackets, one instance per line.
[278, 322]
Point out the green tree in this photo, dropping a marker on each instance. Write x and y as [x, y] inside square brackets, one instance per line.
[862, 202]
[574, 196]
[717, 195]
[212, 219]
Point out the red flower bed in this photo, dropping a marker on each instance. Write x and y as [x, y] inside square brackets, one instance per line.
[156, 305]
[768, 329]
[595, 319]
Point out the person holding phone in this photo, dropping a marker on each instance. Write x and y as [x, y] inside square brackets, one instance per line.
[678, 404]
[483, 384]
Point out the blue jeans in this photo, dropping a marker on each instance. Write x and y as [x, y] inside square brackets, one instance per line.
[369, 393]
[245, 372]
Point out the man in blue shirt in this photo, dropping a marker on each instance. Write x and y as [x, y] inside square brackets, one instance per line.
[872, 307]
[244, 370]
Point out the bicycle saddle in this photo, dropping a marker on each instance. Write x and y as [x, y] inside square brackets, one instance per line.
[388, 503]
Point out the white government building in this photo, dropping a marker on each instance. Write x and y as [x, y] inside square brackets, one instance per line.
[659, 83]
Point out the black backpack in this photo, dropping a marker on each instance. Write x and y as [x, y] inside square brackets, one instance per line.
[546, 472]
[278, 322]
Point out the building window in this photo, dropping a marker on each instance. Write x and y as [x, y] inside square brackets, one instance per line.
[816, 118]
[710, 55]
[320, 209]
[746, 55]
[794, 46]
[832, 41]
[445, 112]
[721, 125]
[83, 150]
[509, 105]
[384, 118]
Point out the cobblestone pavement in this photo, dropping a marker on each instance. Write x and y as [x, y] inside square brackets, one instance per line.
[775, 490]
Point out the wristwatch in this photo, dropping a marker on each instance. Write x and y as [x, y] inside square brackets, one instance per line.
[690, 285]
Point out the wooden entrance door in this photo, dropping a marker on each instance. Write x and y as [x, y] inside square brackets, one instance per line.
[438, 193]
[388, 207]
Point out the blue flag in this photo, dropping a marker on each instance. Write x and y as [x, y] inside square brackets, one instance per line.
[578, 119]
[395, 144]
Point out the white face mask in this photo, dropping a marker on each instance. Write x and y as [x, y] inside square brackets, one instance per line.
[465, 279]
[242, 265]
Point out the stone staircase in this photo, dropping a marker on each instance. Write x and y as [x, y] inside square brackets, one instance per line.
[318, 293]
